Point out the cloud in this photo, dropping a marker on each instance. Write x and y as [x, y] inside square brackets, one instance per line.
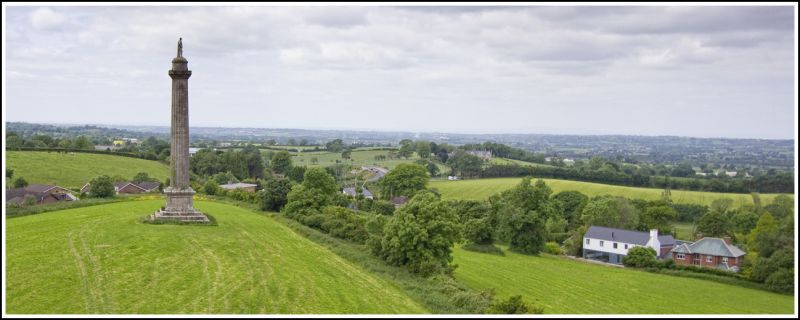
[532, 66]
[46, 19]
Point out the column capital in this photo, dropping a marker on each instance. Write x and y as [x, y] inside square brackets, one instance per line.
[180, 74]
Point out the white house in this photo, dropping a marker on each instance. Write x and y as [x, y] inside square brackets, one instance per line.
[452, 178]
[611, 244]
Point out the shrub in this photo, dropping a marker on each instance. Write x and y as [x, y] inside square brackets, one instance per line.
[478, 231]
[102, 187]
[640, 257]
[29, 200]
[344, 223]
[274, 195]
[483, 248]
[665, 264]
[211, 187]
[20, 183]
[552, 248]
[781, 281]
[513, 305]
[374, 226]
[375, 206]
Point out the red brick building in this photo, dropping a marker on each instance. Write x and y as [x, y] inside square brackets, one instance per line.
[41, 193]
[709, 252]
[125, 187]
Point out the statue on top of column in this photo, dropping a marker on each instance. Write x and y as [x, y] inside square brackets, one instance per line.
[180, 47]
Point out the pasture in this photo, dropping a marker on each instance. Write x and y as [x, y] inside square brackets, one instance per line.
[358, 158]
[73, 170]
[101, 259]
[565, 286]
[481, 189]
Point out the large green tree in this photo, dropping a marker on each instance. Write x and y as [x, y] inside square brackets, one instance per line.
[423, 149]
[465, 164]
[714, 224]
[281, 162]
[274, 195]
[406, 148]
[421, 234]
[765, 237]
[608, 211]
[572, 204]
[102, 187]
[404, 180]
[335, 146]
[659, 217]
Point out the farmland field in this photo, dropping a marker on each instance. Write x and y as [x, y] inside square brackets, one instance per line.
[684, 231]
[561, 285]
[358, 158]
[504, 161]
[75, 169]
[480, 189]
[100, 259]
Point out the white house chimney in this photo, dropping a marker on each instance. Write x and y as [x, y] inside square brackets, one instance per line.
[654, 243]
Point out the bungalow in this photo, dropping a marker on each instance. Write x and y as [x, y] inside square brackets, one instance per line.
[125, 187]
[42, 194]
[149, 186]
[352, 192]
[249, 187]
[709, 252]
[611, 244]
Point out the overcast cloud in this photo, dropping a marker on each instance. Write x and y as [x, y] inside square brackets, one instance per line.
[687, 71]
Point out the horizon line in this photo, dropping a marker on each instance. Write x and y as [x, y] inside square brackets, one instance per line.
[394, 131]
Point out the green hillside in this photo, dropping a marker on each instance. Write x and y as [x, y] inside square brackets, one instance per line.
[73, 170]
[564, 286]
[100, 259]
[480, 189]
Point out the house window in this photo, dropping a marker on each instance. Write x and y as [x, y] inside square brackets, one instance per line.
[709, 258]
[724, 259]
[680, 256]
[587, 241]
[601, 243]
[696, 259]
[626, 246]
[615, 245]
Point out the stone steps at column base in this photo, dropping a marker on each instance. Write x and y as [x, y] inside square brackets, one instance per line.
[191, 216]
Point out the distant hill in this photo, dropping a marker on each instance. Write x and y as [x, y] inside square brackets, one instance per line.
[73, 170]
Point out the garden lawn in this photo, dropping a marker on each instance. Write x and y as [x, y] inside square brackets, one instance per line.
[101, 259]
[566, 286]
[73, 170]
[481, 189]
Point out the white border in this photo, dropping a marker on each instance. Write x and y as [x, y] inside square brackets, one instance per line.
[399, 4]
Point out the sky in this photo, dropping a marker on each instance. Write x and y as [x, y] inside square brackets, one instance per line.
[701, 71]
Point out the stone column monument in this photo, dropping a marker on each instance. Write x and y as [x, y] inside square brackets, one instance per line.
[179, 193]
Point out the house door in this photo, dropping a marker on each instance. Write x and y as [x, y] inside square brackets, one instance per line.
[696, 259]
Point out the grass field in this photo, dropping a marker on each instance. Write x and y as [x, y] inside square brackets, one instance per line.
[480, 189]
[565, 286]
[100, 259]
[76, 169]
[358, 158]
[685, 231]
[504, 161]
